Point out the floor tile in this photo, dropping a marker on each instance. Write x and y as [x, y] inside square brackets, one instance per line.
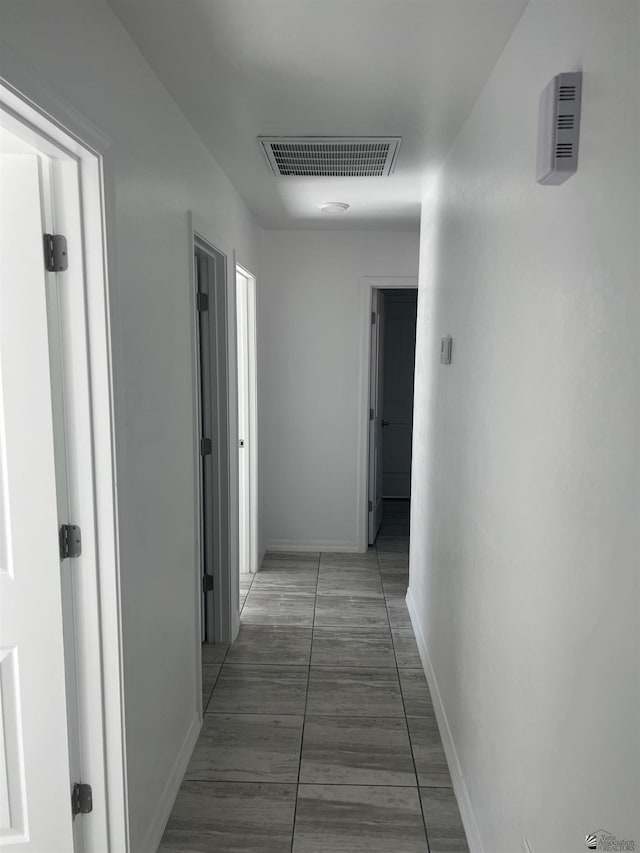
[272, 558]
[395, 587]
[247, 748]
[442, 817]
[246, 579]
[300, 582]
[394, 570]
[213, 652]
[395, 567]
[354, 692]
[392, 545]
[405, 646]
[209, 676]
[346, 616]
[271, 644]
[353, 582]
[398, 613]
[263, 608]
[356, 819]
[293, 568]
[352, 647]
[415, 693]
[428, 752]
[350, 611]
[230, 817]
[357, 751]
[369, 560]
[259, 690]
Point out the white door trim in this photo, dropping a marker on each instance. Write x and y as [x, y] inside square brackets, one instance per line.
[89, 405]
[367, 285]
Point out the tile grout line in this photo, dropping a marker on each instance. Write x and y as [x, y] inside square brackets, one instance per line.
[226, 654]
[306, 699]
[217, 678]
[404, 707]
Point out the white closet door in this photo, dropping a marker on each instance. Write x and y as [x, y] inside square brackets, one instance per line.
[35, 802]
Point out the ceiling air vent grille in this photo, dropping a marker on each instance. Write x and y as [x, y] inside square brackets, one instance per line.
[330, 157]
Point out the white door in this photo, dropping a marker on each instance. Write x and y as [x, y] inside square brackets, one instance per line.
[244, 488]
[247, 420]
[376, 391]
[35, 805]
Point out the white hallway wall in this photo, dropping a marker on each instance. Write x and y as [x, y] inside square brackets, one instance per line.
[524, 543]
[156, 170]
[309, 320]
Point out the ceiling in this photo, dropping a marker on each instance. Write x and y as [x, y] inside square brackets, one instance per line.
[239, 69]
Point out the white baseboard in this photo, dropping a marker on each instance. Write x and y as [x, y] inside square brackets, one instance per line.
[287, 545]
[455, 769]
[154, 833]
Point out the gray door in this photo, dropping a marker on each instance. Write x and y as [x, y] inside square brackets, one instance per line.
[210, 268]
[208, 478]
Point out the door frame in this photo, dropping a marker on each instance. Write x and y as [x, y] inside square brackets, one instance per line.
[226, 602]
[56, 129]
[252, 406]
[367, 285]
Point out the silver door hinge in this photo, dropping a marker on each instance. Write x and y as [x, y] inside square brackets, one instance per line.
[207, 583]
[205, 447]
[81, 799]
[370, 506]
[55, 252]
[70, 541]
[373, 318]
[202, 301]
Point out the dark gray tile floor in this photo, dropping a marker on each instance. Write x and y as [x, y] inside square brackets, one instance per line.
[319, 734]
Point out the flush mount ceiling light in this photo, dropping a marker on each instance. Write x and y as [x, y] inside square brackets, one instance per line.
[334, 207]
[330, 156]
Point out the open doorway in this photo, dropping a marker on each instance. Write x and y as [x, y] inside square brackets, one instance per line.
[397, 407]
[247, 421]
[390, 374]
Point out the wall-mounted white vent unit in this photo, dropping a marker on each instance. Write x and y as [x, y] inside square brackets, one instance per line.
[331, 156]
[559, 129]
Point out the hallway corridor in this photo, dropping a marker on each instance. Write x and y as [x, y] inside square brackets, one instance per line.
[319, 734]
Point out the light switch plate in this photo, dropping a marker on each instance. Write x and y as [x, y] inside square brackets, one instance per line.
[446, 345]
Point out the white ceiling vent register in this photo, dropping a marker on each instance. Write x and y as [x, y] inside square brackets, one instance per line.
[559, 129]
[331, 156]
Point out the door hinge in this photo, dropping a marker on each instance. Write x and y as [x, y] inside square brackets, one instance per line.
[370, 506]
[207, 583]
[202, 301]
[205, 447]
[81, 799]
[370, 414]
[55, 252]
[373, 318]
[70, 541]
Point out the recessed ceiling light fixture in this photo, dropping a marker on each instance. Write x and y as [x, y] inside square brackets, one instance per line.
[334, 207]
